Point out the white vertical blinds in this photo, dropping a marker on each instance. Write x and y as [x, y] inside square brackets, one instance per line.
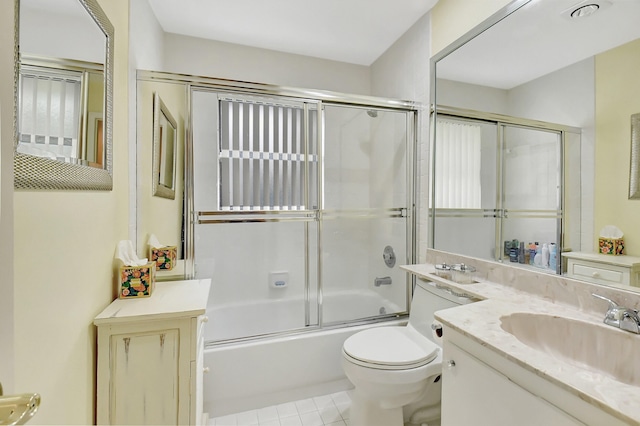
[457, 166]
[50, 113]
[262, 155]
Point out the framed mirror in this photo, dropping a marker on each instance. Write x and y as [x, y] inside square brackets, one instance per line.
[65, 96]
[540, 61]
[165, 143]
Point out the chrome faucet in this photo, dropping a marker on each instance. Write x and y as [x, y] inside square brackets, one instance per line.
[621, 317]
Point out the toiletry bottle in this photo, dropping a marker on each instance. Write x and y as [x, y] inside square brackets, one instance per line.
[532, 253]
[545, 255]
[553, 256]
[513, 253]
[527, 254]
[521, 252]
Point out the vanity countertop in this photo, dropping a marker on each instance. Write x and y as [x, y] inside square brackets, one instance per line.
[169, 299]
[481, 322]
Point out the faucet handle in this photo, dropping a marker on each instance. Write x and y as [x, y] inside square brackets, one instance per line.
[614, 313]
[612, 304]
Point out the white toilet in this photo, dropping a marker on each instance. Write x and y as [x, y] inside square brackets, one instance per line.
[392, 367]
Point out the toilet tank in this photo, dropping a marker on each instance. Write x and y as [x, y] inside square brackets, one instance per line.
[427, 299]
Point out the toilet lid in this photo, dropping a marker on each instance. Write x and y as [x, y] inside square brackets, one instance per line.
[391, 347]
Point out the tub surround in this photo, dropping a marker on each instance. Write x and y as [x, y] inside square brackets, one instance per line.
[504, 290]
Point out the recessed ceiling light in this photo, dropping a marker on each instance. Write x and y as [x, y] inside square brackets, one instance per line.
[584, 11]
[585, 8]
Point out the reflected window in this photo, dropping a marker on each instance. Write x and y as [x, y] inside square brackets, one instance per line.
[50, 113]
[458, 162]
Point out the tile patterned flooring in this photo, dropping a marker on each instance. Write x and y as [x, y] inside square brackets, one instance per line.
[326, 410]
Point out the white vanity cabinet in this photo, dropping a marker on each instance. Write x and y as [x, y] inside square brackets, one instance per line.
[150, 354]
[474, 393]
[483, 388]
[603, 268]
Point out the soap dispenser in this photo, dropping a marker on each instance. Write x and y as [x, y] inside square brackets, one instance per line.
[545, 255]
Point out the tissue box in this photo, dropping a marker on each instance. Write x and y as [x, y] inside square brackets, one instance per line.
[137, 281]
[611, 246]
[164, 257]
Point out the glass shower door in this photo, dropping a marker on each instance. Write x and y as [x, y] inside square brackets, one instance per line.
[531, 196]
[255, 168]
[366, 216]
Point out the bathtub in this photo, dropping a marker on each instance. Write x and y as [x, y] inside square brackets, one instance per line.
[260, 373]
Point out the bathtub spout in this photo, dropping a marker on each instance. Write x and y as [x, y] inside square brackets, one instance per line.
[382, 281]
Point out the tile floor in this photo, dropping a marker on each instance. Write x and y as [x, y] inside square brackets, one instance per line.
[326, 410]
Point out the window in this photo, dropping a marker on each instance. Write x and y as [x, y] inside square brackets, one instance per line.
[263, 154]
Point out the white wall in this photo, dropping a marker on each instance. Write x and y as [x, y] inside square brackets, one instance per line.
[196, 56]
[402, 72]
[146, 44]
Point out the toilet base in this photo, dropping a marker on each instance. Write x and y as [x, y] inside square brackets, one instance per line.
[365, 412]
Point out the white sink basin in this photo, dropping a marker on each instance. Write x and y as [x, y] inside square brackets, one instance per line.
[592, 346]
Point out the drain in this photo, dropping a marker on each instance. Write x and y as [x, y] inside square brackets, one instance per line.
[382, 311]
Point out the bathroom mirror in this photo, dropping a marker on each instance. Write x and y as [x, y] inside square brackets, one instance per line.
[535, 61]
[64, 101]
[165, 143]
[161, 128]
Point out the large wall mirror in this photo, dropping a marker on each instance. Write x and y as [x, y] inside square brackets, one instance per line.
[64, 97]
[553, 66]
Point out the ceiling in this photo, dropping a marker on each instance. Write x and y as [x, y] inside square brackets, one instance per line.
[538, 39]
[352, 31]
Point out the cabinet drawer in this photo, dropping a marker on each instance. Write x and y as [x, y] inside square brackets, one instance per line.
[598, 274]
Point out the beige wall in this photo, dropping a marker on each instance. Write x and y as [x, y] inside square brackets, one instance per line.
[451, 19]
[64, 244]
[159, 216]
[617, 97]
[7, 352]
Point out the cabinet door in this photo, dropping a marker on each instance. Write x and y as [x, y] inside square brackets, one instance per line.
[144, 368]
[474, 393]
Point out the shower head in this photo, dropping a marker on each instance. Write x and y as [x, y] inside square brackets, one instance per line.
[372, 113]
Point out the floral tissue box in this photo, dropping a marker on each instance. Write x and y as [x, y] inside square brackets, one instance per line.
[137, 281]
[611, 246]
[164, 257]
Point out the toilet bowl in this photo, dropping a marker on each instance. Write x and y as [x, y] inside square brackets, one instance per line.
[392, 367]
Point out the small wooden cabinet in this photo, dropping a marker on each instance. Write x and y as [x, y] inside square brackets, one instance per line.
[150, 356]
[603, 268]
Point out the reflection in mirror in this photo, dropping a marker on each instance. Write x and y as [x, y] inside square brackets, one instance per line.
[64, 98]
[61, 107]
[164, 150]
[162, 112]
[577, 73]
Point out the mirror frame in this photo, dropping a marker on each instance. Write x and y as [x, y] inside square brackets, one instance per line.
[160, 110]
[31, 172]
[634, 167]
